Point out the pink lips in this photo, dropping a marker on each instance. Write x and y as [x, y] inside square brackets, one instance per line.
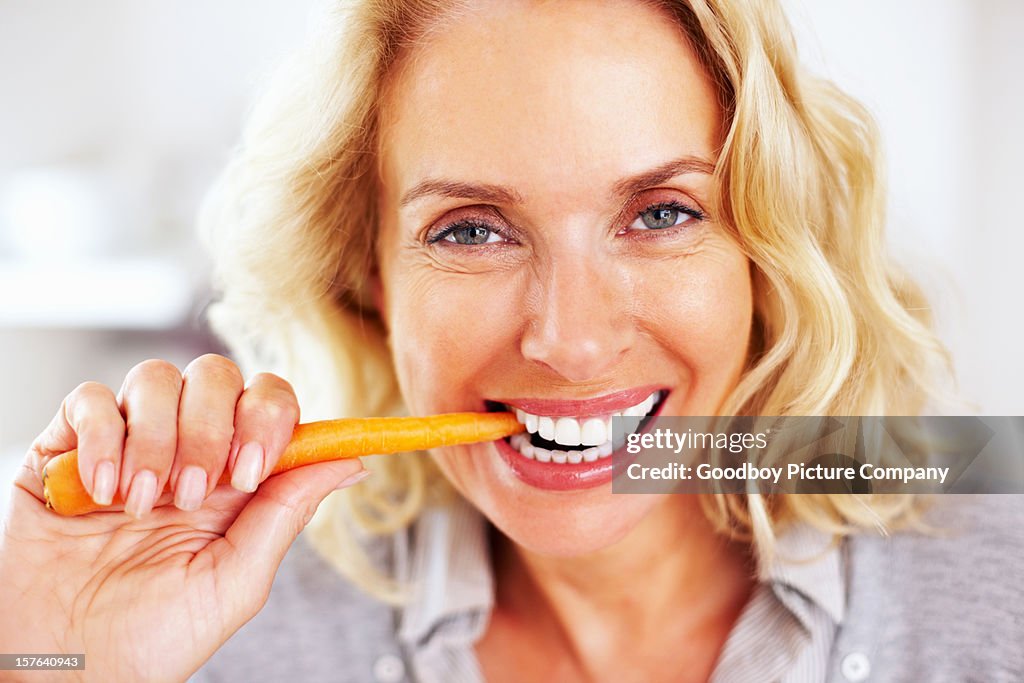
[552, 476]
[567, 476]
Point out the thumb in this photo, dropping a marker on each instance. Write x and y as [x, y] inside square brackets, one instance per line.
[282, 506]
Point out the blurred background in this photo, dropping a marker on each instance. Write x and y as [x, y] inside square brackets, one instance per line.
[117, 114]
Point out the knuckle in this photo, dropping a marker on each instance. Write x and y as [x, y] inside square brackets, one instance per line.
[265, 411]
[204, 432]
[151, 438]
[102, 429]
[84, 411]
[269, 403]
[155, 370]
[216, 367]
[300, 510]
[271, 383]
[90, 390]
[271, 410]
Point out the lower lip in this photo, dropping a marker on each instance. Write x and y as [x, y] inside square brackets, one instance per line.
[553, 476]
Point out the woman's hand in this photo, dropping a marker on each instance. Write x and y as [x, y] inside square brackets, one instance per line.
[150, 592]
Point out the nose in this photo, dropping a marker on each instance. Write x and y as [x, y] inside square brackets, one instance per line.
[580, 325]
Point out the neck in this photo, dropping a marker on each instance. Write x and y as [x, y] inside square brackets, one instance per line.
[650, 588]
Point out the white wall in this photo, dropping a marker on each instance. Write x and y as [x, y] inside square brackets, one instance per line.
[943, 79]
[151, 93]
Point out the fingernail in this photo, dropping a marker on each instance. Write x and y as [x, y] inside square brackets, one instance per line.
[248, 467]
[141, 494]
[103, 483]
[353, 479]
[191, 488]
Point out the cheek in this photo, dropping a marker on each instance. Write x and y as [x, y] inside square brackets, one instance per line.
[699, 309]
[450, 334]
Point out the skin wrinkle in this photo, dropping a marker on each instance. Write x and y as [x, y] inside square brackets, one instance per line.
[574, 308]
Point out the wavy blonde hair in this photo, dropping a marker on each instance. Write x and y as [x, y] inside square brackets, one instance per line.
[837, 329]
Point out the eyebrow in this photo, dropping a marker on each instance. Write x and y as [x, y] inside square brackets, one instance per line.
[491, 194]
[677, 167]
[499, 194]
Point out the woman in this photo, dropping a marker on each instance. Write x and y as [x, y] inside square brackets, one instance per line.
[570, 209]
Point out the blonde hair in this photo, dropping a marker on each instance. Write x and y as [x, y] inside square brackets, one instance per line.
[837, 330]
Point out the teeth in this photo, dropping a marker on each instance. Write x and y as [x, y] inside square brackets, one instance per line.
[595, 432]
[546, 428]
[567, 431]
[532, 422]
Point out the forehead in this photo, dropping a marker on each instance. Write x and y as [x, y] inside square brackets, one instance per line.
[543, 95]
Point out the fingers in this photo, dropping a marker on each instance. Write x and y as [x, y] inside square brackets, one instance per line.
[167, 427]
[149, 399]
[206, 414]
[88, 419]
[256, 543]
[265, 418]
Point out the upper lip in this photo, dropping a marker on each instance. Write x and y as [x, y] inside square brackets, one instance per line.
[566, 407]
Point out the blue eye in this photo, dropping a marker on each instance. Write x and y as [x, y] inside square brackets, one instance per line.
[469, 234]
[662, 216]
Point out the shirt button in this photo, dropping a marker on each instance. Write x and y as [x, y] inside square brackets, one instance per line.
[388, 669]
[855, 667]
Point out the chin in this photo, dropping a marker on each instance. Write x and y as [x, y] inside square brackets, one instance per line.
[576, 531]
[569, 523]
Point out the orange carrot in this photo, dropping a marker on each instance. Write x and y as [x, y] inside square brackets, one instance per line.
[313, 442]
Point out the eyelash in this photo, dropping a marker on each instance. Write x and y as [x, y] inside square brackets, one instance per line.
[461, 224]
[695, 214]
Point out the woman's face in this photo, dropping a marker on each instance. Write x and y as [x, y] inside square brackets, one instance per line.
[547, 244]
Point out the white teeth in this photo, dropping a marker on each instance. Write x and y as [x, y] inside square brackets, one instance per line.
[567, 432]
[593, 432]
[546, 428]
[531, 423]
[640, 409]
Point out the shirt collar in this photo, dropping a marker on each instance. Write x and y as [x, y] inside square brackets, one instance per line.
[446, 557]
[808, 561]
